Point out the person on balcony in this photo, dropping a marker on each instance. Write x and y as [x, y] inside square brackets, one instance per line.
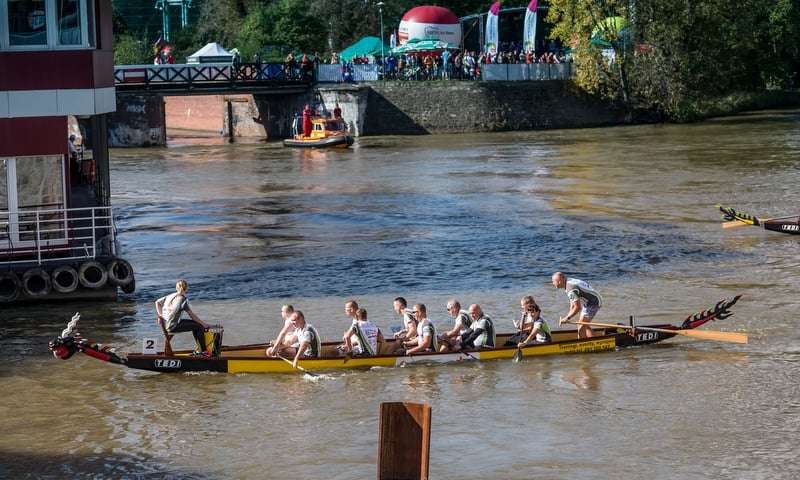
[74, 158]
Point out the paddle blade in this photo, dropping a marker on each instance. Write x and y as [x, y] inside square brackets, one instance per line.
[734, 337]
[734, 224]
[517, 355]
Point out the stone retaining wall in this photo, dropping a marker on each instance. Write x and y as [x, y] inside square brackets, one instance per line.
[408, 108]
[375, 108]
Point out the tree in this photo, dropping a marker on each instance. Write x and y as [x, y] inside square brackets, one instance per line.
[253, 34]
[219, 21]
[600, 50]
[676, 54]
[129, 51]
[289, 22]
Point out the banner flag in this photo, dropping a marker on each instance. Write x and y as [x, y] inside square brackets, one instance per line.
[529, 30]
[492, 35]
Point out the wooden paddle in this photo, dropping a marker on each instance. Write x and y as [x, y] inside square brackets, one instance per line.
[167, 338]
[298, 367]
[733, 337]
[518, 354]
[454, 348]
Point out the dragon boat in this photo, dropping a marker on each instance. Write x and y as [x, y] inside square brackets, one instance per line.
[734, 218]
[252, 358]
[325, 133]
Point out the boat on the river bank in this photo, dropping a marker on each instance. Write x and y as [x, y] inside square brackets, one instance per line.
[789, 224]
[252, 358]
[325, 133]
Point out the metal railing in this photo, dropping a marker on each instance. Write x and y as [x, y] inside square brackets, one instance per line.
[210, 76]
[488, 72]
[253, 75]
[54, 235]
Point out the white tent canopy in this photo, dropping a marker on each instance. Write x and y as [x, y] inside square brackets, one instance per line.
[211, 53]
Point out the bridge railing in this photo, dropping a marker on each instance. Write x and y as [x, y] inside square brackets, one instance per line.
[209, 75]
[225, 75]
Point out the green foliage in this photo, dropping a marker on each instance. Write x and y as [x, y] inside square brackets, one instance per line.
[219, 21]
[253, 34]
[129, 51]
[290, 23]
[681, 52]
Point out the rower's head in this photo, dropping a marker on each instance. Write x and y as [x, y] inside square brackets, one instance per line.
[528, 304]
[182, 286]
[400, 304]
[298, 319]
[350, 308]
[475, 311]
[453, 307]
[559, 280]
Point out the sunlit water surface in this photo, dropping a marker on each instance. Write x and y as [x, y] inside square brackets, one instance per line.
[484, 218]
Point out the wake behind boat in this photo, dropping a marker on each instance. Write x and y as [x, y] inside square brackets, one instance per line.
[734, 218]
[252, 358]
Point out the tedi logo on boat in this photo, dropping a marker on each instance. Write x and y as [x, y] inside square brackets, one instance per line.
[160, 363]
[646, 336]
[791, 228]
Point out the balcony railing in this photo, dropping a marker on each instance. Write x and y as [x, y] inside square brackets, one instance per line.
[54, 235]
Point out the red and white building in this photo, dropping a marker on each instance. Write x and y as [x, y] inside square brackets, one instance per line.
[57, 238]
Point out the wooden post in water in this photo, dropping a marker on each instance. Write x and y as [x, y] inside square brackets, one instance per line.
[404, 440]
[230, 121]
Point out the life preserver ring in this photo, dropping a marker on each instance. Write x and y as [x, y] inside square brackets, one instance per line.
[92, 274]
[9, 287]
[64, 279]
[120, 272]
[36, 283]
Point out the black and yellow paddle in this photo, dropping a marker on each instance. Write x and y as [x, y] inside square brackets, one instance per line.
[738, 219]
[298, 367]
[733, 337]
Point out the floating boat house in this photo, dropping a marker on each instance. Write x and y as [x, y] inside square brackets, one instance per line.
[57, 233]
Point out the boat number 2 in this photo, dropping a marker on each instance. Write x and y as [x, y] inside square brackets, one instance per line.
[646, 336]
[171, 363]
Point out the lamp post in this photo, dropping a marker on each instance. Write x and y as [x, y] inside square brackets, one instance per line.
[383, 57]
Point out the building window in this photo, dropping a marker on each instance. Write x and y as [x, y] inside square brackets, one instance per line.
[32, 207]
[69, 22]
[46, 24]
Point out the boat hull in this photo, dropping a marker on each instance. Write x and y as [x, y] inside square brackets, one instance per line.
[252, 359]
[343, 141]
[791, 227]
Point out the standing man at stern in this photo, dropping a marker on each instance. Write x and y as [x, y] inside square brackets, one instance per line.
[583, 298]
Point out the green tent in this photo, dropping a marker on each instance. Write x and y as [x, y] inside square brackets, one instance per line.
[611, 29]
[366, 46]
